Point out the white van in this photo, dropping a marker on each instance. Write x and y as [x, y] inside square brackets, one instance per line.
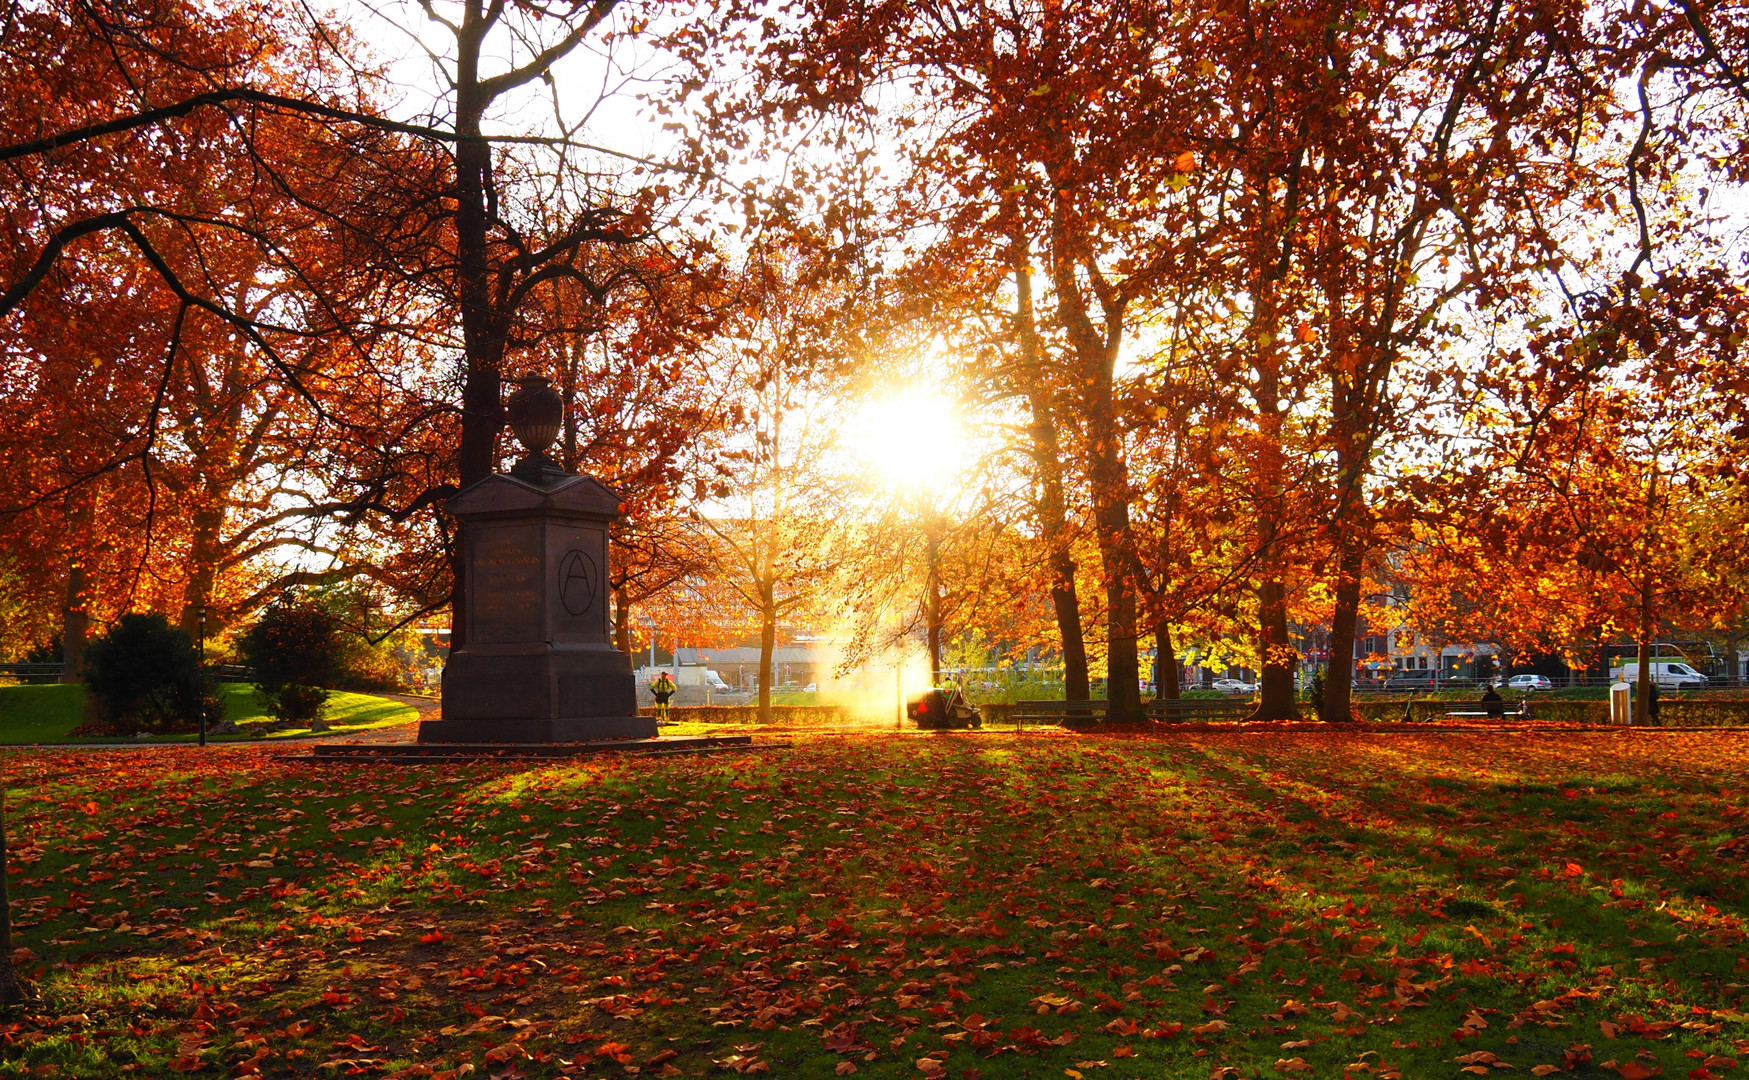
[1672, 673]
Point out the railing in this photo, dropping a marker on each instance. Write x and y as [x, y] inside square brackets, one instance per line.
[33, 671]
[220, 672]
[1575, 682]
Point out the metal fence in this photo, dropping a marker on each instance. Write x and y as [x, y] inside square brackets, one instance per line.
[53, 672]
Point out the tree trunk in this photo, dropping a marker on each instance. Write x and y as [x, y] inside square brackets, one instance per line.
[482, 323]
[1123, 691]
[75, 622]
[1344, 621]
[1047, 463]
[1643, 697]
[767, 645]
[932, 596]
[1643, 700]
[1276, 682]
[568, 395]
[1166, 675]
[1109, 481]
[202, 558]
[1276, 679]
[622, 621]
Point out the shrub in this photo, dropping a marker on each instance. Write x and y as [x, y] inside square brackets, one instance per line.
[295, 649]
[369, 667]
[144, 677]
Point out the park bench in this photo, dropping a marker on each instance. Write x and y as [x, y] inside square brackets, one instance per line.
[1179, 710]
[1066, 713]
[1088, 713]
[1472, 710]
[34, 673]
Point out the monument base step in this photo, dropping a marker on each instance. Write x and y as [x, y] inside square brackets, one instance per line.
[579, 729]
[437, 753]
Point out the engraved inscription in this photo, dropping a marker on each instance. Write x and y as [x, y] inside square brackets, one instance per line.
[505, 584]
[577, 577]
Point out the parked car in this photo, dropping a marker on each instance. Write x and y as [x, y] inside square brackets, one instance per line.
[1234, 686]
[1670, 673]
[1529, 682]
[1412, 680]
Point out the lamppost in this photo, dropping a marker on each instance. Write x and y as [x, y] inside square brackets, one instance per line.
[200, 667]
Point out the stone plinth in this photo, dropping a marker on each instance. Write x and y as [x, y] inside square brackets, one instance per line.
[537, 663]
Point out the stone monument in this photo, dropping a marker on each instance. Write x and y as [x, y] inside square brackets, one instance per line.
[537, 663]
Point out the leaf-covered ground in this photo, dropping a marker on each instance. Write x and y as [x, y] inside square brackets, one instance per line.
[1197, 904]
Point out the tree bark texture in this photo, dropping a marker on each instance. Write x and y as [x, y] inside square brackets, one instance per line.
[203, 557]
[1275, 653]
[1047, 462]
[482, 323]
[1108, 473]
[1648, 626]
[622, 622]
[767, 645]
[75, 622]
[1344, 622]
[932, 616]
[1276, 681]
[1166, 673]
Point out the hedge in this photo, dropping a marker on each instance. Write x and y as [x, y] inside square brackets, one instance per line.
[749, 714]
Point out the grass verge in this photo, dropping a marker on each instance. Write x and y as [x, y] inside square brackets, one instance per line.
[46, 714]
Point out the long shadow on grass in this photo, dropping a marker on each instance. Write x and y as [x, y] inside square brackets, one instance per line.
[896, 898]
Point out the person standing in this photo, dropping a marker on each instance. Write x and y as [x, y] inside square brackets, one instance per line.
[662, 689]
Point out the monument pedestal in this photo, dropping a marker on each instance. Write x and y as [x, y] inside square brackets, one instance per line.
[537, 663]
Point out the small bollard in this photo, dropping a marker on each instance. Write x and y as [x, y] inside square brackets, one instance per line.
[1621, 703]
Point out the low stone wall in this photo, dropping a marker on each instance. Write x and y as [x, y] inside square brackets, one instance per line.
[749, 714]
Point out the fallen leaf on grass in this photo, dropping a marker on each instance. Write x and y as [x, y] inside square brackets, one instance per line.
[741, 1063]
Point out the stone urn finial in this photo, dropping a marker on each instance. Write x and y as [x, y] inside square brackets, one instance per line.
[536, 412]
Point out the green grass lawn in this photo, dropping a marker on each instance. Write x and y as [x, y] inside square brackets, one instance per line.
[45, 714]
[1202, 905]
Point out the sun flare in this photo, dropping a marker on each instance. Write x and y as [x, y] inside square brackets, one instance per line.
[912, 440]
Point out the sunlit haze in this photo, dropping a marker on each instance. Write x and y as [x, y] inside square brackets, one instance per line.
[911, 439]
